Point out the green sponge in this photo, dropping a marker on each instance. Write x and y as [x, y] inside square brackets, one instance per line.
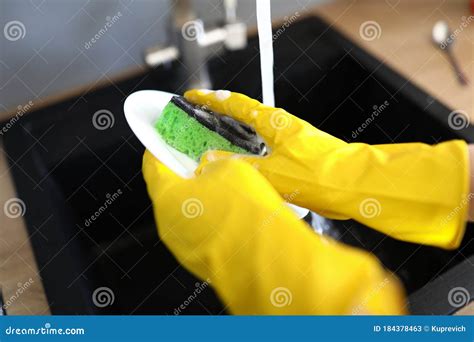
[187, 135]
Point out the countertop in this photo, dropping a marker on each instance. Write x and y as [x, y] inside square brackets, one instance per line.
[402, 40]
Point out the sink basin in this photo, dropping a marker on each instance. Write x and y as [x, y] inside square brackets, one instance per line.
[66, 167]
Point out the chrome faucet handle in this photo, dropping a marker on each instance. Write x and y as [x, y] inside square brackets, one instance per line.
[230, 7]
[192, 43]
[236, 37]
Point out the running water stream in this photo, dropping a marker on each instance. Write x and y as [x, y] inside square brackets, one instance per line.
[265, 41]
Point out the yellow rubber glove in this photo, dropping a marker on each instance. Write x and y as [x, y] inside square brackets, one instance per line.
[230, 227]
[413, 192]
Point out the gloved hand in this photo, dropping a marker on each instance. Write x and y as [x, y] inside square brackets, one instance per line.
[413, 192]
[229, 226]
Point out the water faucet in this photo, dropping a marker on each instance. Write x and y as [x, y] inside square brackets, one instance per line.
[193, 44]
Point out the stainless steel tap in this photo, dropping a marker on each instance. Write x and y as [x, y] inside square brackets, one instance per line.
[193, 44]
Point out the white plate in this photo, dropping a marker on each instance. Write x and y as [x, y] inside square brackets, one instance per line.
[142, 109]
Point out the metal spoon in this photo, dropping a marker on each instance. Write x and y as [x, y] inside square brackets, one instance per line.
[443, 38]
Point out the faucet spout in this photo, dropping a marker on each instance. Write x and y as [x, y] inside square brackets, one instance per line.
[194, 45]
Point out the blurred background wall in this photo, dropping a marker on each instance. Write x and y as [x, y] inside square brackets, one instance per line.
[51, 56]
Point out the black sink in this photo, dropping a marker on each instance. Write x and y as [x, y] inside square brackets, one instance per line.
[65, 169]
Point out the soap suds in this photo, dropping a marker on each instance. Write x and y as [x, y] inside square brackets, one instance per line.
[205, 91]
[222, 95]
